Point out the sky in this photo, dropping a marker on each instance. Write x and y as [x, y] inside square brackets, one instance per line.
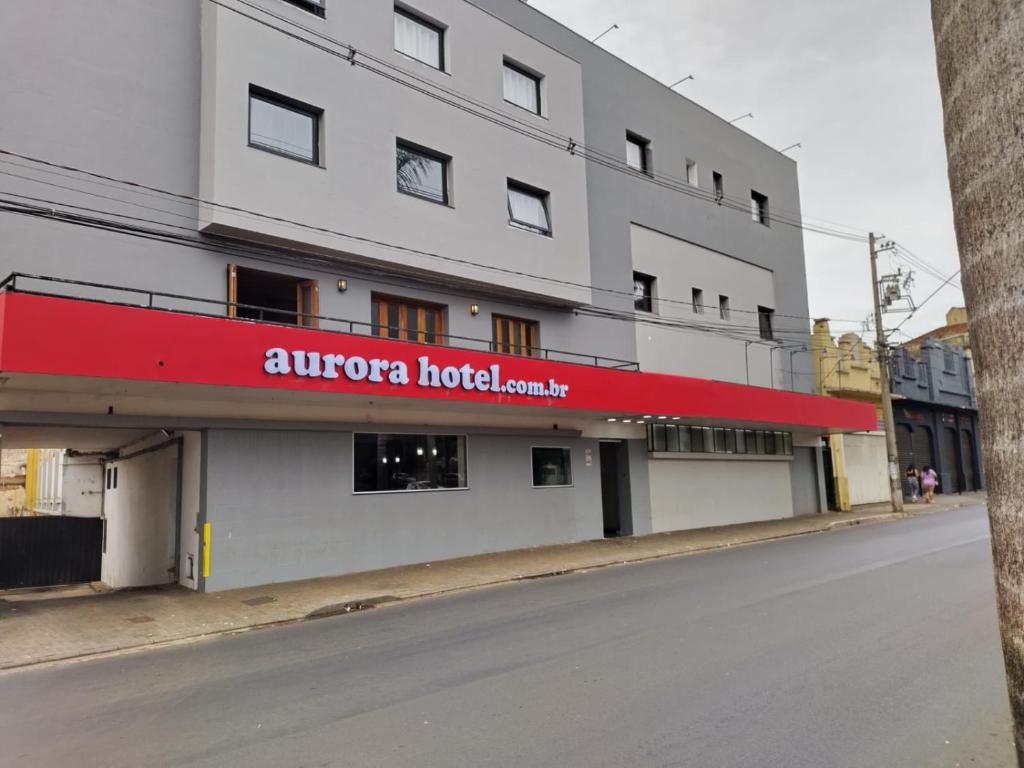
[854, 83]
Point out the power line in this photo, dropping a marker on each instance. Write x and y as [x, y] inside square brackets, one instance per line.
[931, 296]
[255, 215]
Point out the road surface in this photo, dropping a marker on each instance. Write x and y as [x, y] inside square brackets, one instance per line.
[873, 646]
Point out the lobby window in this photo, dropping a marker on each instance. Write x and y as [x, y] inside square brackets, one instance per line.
[719, 185]
[406, 320]
[522, 88]
[419, 39]
[643, 292]
[723, 307]
[638, 152]
[528, 208]
[552, 467]
[759, 208]
[316, 7]
[392, 462]
[692, 176]
[422, 173]
[697, 299]
[515, 336]
[284, 126]
[765, 318]
[271, 297]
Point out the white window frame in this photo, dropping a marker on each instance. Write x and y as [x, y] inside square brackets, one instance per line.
[541, 195]
[535, 79]
[442, 37]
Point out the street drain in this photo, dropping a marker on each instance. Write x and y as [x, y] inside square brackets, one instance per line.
[141, 619]
[352, 606]
[263, 600]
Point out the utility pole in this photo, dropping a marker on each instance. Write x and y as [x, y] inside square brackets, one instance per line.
[980, 91]
[895, 485]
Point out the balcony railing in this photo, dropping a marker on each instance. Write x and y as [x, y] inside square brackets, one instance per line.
[119, 295]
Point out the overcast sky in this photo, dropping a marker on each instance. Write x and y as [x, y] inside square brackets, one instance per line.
[854, 82]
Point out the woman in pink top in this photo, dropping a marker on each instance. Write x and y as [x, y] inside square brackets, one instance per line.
[929, 479]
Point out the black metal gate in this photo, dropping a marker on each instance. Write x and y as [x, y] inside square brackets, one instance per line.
[44, 551]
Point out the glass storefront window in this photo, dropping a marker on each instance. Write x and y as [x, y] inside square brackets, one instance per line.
[552, 467]
[393, 462]
[671, 438]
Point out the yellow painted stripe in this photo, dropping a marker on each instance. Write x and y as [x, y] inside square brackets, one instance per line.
[31, 478]
[206, 550]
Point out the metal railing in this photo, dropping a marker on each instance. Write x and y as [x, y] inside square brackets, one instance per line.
[161, 301]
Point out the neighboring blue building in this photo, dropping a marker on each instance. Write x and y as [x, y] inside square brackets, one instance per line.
[936, 414]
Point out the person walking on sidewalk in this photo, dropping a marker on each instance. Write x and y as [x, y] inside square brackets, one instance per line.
[913, 483]
[929, 479]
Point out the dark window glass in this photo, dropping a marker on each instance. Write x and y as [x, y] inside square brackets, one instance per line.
[709, 440]
[730, 441]
[658, 431]
[764, 322]
[759, 441]
[769, 443]
[719, 184]
[696, 439]
[643, 292]
[515, 336]
[741, 441]
[551, 467]
[671, 438]
[313, 6]
[758, 207]
[283, 126]
[389, 462]
[697, 298]
[720, 440]
[684, 439]
[787, 443]
[422, 173]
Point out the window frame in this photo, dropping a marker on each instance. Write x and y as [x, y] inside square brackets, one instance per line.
[568, 451]
[458, 435]
[697, 300]
[381, 301]
[740, 442]
[718, 185]
[292, 105]
[765, 323]
[759, 208]
[527, 325]
[507, 63]
[692, 173]
[545, 199]
[307, 310]
[423, 21]
[443, 159]
[316, 7]
[724, 309]
[645, 153]
[650, 281]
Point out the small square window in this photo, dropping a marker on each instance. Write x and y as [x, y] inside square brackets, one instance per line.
[723, 307]
[283, 126]
[643, 292]
[759, 208]
[522, 88]
[528, 208]
[419, 39]
[637, 153]
[422, 173]
[552, 467]
[697, 299]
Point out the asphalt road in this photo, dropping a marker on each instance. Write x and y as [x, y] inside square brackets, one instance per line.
[873, 646]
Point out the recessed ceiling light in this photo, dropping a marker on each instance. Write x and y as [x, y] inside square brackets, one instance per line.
[663, 417]
[675, 418]
[627, 421]
[612, 419]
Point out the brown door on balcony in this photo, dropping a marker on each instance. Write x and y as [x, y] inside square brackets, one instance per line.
[406, 320]
[515, 336]
[272, 297]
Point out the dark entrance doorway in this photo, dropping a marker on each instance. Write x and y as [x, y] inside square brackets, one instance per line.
[831, 500]
[949, 463]
[615, 488]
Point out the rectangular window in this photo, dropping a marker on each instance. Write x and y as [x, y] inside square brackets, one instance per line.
[759, 207]
[637, 151]
[764, 323]
[528, 208]
[390, 462]
[272, 297]
[419, 39]
[723, 307]
[316, 7]
[696, 439]
[949, 360]
[522, 88]
[422, 173]
[552, 467]
[658, 437]
[643, 292]
[741, 441]
[406, 320]
[719, 184]
[515, 336]
[692, 177]
[697, 298]
[284, 126]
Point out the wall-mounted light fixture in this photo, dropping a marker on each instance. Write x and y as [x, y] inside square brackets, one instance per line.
[342, 285]
[474, 309]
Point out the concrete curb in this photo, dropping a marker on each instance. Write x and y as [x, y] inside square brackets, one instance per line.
[362, 604]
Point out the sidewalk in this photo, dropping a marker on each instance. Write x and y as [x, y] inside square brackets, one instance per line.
[65, 623]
